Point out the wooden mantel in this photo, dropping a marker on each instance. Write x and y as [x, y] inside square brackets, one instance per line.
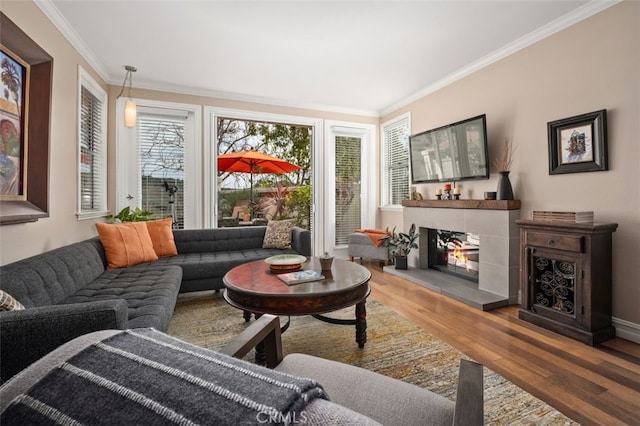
[465, 204]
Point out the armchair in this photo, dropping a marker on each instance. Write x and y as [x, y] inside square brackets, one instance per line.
[357, 396]
[381, 398]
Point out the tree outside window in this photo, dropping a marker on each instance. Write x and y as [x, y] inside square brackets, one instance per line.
[290, 193]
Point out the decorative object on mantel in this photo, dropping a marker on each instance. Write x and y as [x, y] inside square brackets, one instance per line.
[578, 144]
[446, 194]
[415, 195]
[503, 164]
[401, 244]
[505, 191]
[456, 192]
[490, 195]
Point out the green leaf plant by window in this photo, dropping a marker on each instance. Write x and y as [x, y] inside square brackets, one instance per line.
[92, 148]
[395, 161]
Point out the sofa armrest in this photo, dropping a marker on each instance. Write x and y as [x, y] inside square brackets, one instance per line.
[28, 335]
[469, 409]
[301, 241]
[265, 331]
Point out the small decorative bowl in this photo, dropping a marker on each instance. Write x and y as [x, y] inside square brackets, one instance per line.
[283, 263]
[491, 195]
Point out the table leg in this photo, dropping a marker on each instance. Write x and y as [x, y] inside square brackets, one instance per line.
[361, 324]
[246, 315]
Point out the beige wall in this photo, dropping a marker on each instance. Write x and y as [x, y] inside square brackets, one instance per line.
[61, 227]
[592, 65]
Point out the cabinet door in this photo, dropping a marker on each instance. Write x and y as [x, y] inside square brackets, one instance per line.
[554, 285]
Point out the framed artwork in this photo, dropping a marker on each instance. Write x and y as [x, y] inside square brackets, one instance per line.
[14, 99]
[26, 72]
[578, 144]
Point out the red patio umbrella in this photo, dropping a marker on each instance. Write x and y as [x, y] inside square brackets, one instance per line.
[252, 161]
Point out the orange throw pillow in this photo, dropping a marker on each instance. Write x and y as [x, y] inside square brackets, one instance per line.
[162, 237]
[126, 244]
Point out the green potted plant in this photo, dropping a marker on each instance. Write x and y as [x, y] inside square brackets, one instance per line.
[400, 245]
[326, 260]
[129, 215]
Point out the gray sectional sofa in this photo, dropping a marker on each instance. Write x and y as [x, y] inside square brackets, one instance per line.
[205, 255]
[68, 292]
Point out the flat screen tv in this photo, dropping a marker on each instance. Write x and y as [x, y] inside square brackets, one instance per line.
[457, 151]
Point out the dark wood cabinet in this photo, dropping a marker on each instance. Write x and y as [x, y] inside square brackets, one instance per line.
[565, 278]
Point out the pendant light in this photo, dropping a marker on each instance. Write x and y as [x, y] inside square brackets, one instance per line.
[130, 105]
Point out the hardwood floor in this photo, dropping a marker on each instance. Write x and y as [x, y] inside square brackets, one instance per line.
[590, 385]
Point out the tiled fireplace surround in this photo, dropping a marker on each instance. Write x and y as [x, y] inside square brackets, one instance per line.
[494, 222]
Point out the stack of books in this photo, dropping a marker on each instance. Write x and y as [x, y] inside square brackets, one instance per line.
[299, 277]
[567, 217]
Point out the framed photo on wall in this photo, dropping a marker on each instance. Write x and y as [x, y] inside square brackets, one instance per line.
[578, 144]
[14, 98]
[26, 80]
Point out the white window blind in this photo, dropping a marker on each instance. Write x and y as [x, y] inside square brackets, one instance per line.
[348, 185]
[395, 167]
[161, 162]
[92, 192]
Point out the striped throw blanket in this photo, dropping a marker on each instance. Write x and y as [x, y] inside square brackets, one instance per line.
[145, 377]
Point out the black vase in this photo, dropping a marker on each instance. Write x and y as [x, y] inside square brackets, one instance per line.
[505, 191]
[401, 262]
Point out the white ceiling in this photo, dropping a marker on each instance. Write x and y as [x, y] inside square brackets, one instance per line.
[364, 57]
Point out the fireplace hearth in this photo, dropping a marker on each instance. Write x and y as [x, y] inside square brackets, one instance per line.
[487, 281]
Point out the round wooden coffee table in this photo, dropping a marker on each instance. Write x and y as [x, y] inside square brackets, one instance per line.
[254, 289]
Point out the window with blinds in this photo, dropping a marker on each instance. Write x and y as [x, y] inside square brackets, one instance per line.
[348, 206]
[161, 162]
[92, 192]
[395, 168]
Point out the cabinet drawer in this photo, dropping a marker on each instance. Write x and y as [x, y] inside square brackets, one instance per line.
[574, 243]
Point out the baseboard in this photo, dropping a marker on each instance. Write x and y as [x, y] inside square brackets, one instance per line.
[626, 329]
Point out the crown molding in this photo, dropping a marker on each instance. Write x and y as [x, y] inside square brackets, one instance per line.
[584, 12]
[572, 18]
[54, 15]
[207, 93]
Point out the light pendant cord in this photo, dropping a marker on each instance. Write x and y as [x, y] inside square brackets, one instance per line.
[128, 76]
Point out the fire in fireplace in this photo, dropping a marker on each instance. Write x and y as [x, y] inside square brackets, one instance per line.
[455, 253]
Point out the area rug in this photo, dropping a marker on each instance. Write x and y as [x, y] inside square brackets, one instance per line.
[395, 347]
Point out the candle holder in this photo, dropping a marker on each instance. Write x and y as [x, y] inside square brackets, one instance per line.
[439, 196]
[456, 196]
